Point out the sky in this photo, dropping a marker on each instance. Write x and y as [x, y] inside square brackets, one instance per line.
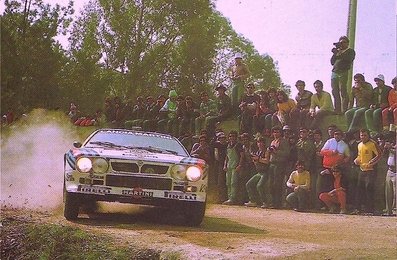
[298, 35]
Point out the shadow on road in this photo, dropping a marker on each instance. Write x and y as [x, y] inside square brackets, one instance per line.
[152, 218]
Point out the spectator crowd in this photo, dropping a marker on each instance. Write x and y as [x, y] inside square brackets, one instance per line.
[279, 156]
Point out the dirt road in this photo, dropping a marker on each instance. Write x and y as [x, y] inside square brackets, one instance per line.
[235, 232]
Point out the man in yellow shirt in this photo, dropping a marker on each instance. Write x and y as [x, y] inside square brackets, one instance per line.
[369, 154]
[299, 182]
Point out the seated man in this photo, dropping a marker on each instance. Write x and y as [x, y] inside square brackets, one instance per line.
[337, 196]
[299, 182]
[362, 95]
[303, 99]
[373, 115]
[248, 106]
[321, 100]
[389, 114]
[223, 108]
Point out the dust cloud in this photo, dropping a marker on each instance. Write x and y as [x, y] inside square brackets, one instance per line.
[32, 152]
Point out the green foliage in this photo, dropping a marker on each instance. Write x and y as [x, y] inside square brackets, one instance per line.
[31, 56]
[118, 48]
[50, 241]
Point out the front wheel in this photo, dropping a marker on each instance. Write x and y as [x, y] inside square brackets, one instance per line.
[71, 210]
[194, 214]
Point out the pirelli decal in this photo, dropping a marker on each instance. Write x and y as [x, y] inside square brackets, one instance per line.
[180, 196]
[94, 190]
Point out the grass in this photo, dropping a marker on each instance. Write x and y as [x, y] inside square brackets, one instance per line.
[51, 241]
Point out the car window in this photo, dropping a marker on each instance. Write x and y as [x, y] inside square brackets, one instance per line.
[133, 139]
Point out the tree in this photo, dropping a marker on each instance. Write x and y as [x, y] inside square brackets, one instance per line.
[31, 58]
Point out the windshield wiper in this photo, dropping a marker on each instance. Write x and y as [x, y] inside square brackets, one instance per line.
[152, 149]
[107, 144]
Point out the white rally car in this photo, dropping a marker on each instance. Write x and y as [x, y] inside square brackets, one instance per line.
[128, 166]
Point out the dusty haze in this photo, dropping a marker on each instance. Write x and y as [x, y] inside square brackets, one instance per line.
[32, 160]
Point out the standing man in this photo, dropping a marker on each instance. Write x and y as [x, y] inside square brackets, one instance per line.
[369, 154]
[279, 150]
[335, 152]
[341, 61]
[239, 73]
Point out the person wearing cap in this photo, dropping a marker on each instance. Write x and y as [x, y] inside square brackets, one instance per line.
[299, 183]
[320, 105]
[341, 61]
[373, 116]
[239, 72]
[362, 93]
[368, 156]
[223, 108]
[336, 197]
[389, 114]
[303, 99]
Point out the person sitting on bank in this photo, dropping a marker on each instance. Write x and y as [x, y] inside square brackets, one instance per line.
[362, 95]
[320, 105]
[373, 115]
[303, 99]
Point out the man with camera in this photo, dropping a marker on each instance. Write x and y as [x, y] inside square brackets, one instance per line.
[341, 60]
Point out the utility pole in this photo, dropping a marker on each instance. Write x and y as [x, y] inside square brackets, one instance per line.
[351, 34]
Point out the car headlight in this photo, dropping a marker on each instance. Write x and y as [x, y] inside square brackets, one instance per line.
[100, 165]
[178, 172]
[84, 164]
[193, 173]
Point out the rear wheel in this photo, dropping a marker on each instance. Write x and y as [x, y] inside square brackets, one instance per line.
[71, 210]
[194, 213]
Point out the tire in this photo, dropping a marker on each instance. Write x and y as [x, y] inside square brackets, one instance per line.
[71, 210]
[194, 214]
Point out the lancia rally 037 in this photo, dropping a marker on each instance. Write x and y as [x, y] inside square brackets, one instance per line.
[136, 167]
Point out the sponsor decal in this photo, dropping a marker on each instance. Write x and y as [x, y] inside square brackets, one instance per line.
[94, 190]
[179, 196]
[138, 134]
[137, 193]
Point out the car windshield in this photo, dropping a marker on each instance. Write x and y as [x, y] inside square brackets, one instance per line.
[152, 142]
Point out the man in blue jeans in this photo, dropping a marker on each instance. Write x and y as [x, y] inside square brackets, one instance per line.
[341, 61]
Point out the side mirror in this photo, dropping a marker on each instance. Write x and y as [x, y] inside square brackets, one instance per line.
[77, 144]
